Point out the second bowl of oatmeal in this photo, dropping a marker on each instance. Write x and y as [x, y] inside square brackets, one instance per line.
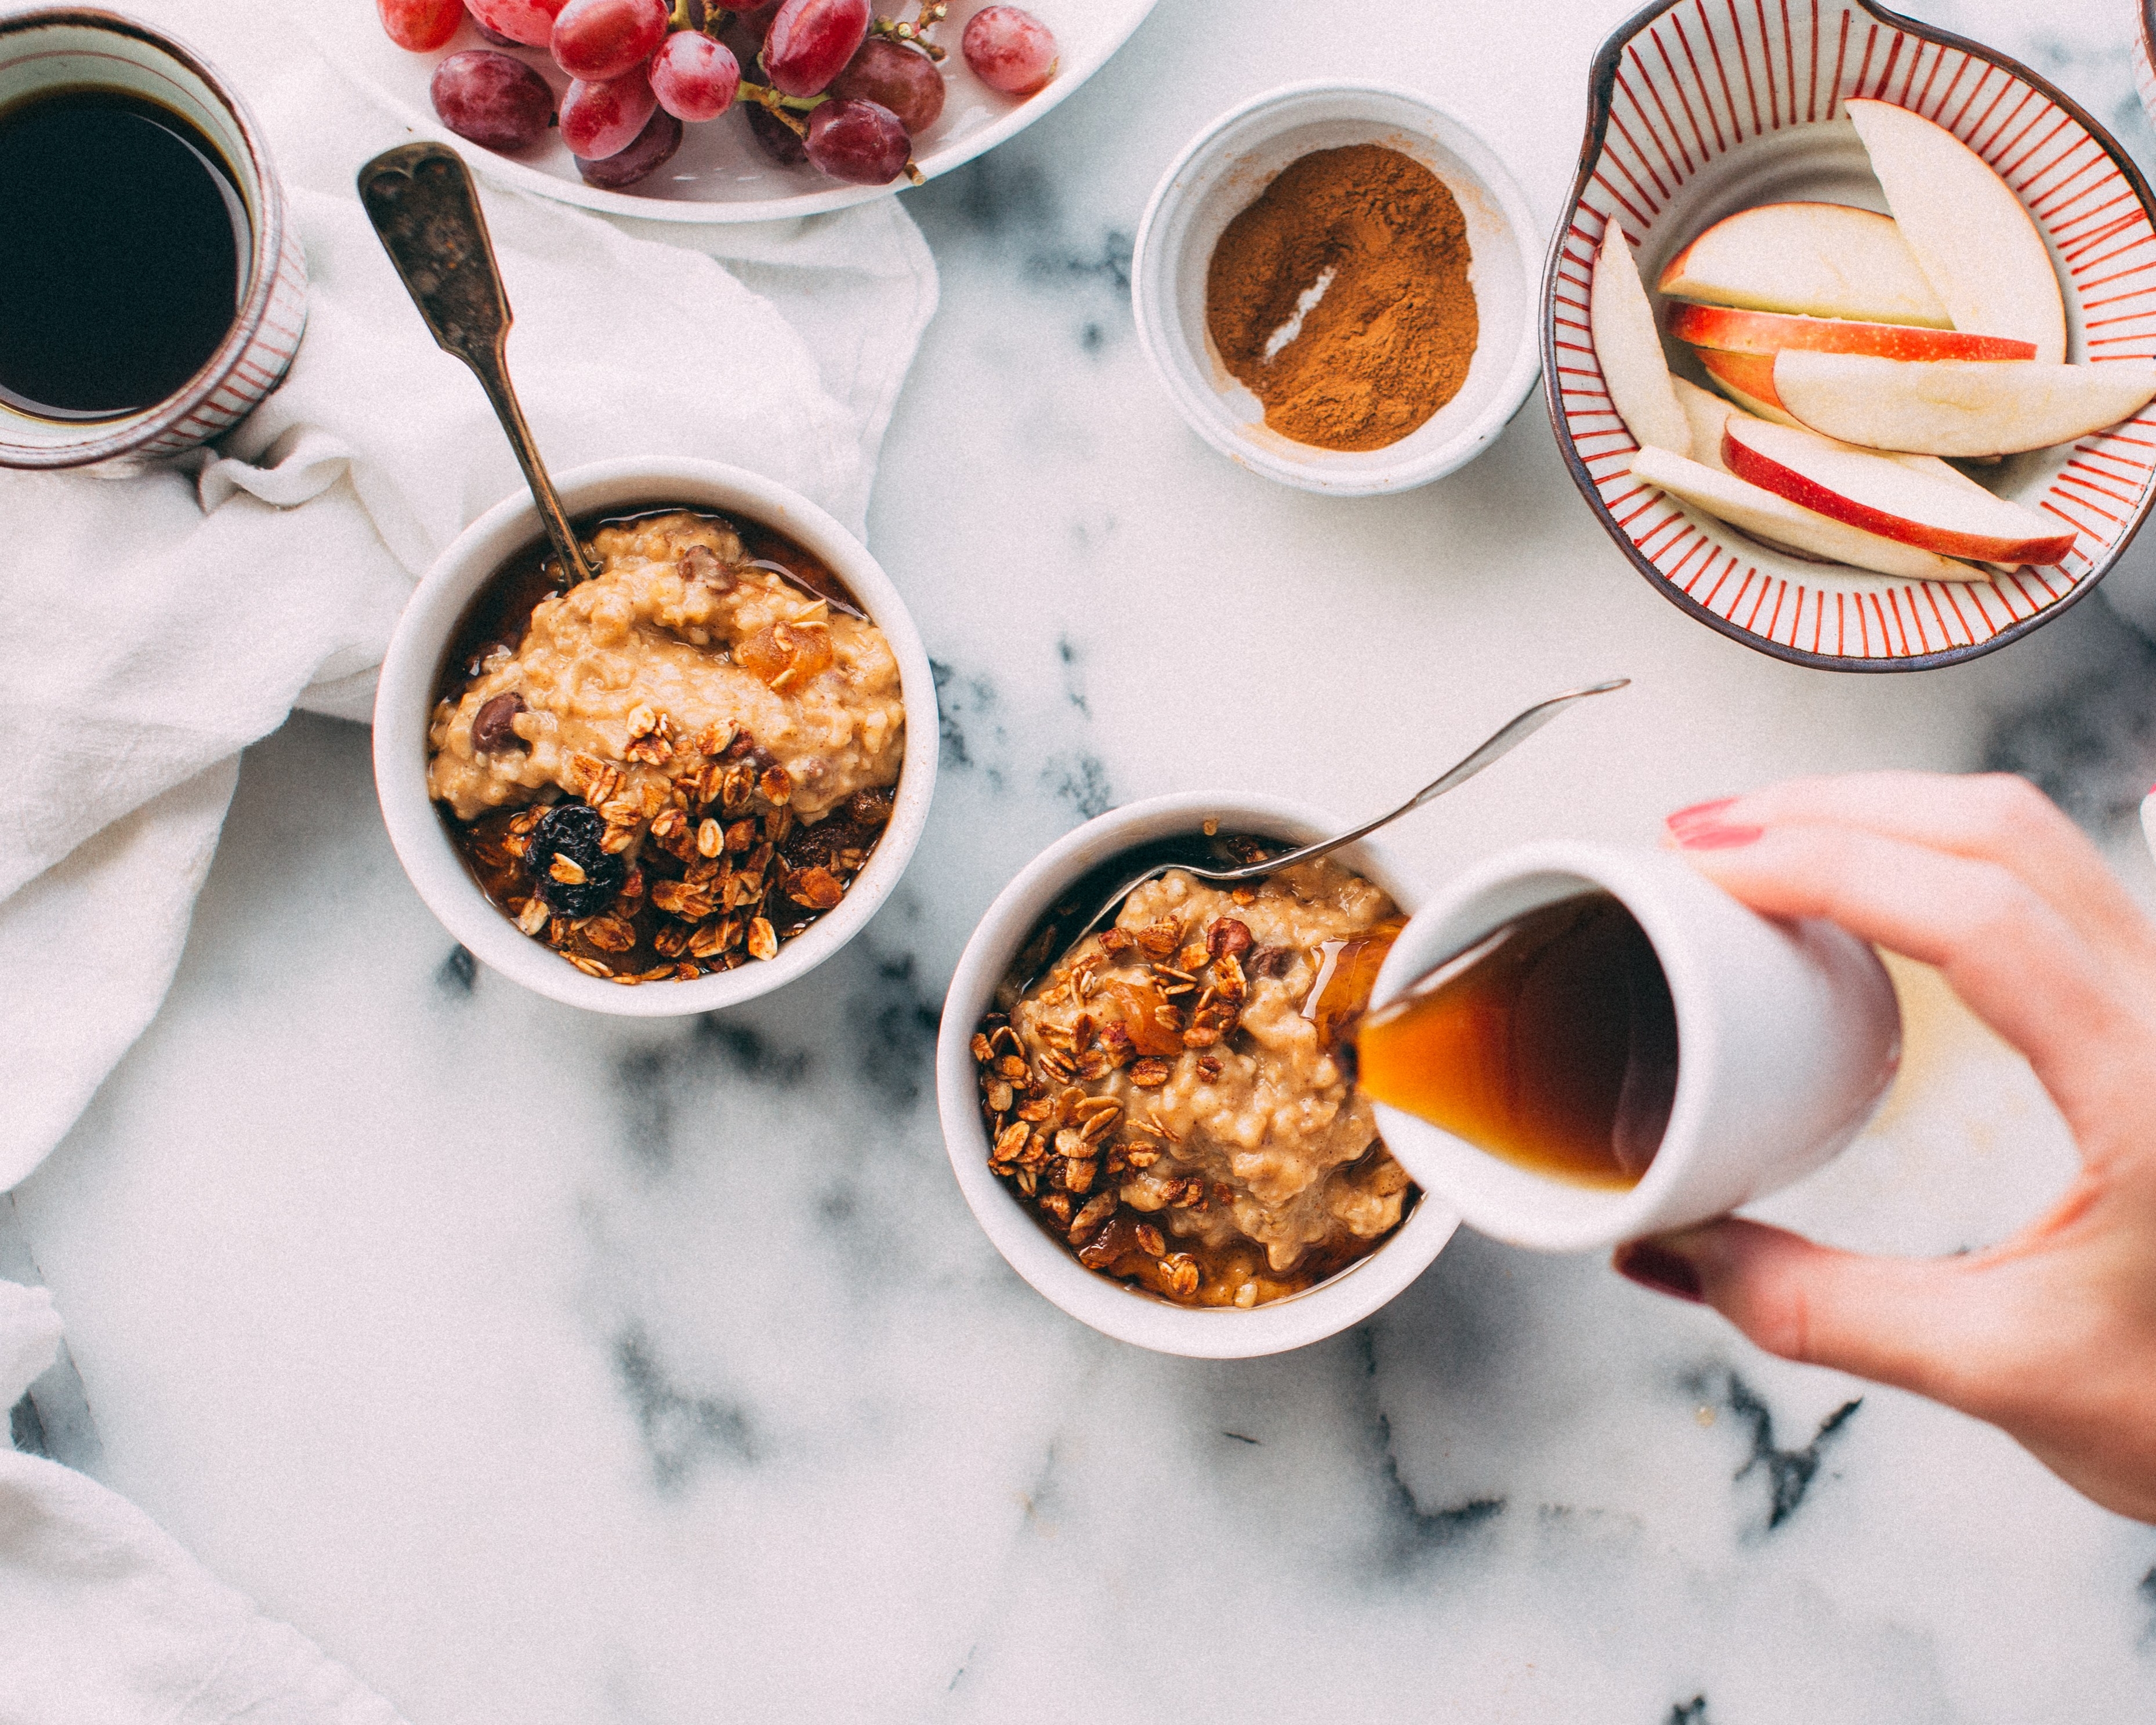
[1157, 1132]
[674, 787]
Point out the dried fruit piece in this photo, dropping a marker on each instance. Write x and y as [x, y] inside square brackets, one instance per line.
[568, 862]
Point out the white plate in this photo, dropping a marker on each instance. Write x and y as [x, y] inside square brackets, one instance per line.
[720, 173]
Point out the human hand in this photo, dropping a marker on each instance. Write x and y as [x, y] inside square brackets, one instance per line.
[2049, 1335]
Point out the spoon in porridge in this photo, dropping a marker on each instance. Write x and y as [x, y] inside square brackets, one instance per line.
[420, 199]
[1198, 854]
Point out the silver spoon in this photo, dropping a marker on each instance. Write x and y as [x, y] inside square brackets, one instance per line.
[1199, 855]
[420, 199]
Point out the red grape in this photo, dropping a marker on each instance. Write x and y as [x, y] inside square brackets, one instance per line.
[779, 141]
[1009, 50]
[420, 25]
[598, 39]
[603, 119]
[650, 151]
[492, 100]
[903, 79]
[693, 77]
[528, 21]
[810, 41]
[857, 141]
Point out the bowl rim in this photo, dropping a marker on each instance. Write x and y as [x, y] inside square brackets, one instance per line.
[265, 254]
[1496, 177]
[404, 698]
[1331, 1306]
[1602, 78]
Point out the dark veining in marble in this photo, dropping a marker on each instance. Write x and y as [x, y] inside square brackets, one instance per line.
[959, 699]
[1789, 1473]
[1412, 1531]
[1082, 780]
[459, 971]
[1108, 260]
[2148, 1591]
[647, 1105]
[1240, 1438]
[682, 1432]
[2091, 745]
[1690, 1713]
[748, 1054]
[1006, 201]
[1074, 678]
[25, 1430]
[893, 1022]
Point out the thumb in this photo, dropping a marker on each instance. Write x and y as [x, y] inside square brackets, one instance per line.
[1922, 1325]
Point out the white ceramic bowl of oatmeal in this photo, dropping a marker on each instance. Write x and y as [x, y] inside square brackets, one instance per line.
[412, 672]
[1107, 1304]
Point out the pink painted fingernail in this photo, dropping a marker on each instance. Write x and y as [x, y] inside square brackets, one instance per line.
[1698, 812]
[1715, 835]
[1655, 1265]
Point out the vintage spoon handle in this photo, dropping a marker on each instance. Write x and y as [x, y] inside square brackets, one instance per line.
[420, 199]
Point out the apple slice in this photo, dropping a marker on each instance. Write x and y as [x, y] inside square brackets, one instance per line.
[1822, 259]
[1978, 248]
[1892, 498]
[1738, 372]
[1707, 413]
[1735, 331]
[1749, 380]
[1629, 349]
[1948, 409]
[1782, 523]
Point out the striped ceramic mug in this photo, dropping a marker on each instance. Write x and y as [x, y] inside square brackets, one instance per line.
[52, 47]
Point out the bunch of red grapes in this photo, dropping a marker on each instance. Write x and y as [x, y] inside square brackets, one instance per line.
[843, 90]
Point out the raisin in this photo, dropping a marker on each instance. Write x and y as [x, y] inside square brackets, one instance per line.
[870, 807]
[567, 841]
[491, 730]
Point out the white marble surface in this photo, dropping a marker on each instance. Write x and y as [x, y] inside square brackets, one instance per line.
[548, 1368]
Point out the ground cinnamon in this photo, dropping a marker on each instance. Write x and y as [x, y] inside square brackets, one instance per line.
[1386, 342]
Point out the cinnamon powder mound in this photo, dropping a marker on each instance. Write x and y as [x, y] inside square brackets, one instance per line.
[1389, 340]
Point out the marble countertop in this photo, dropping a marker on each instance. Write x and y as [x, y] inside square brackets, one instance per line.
[552, 1368]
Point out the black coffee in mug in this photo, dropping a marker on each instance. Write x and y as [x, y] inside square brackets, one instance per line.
[124, 247]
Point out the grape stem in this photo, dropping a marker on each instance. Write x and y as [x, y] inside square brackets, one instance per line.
[915, 33]
[788, 108]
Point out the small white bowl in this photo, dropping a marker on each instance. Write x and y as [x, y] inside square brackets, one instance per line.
[1107, 1305]
[405, 699]
[1220, 173]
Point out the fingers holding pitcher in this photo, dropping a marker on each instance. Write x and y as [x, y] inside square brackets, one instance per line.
[1981, 875]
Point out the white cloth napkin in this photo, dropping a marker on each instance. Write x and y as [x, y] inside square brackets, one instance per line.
[105, 1620]
[151, 628]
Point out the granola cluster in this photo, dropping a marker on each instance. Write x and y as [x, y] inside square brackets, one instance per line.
[1170, 1101]
[606, 782]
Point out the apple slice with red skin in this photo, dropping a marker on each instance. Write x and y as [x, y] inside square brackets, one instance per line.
[1629, 349]
[1734, 330]
[1978, 245]
[1739, 373]
[1788, 526]
[1950, 408]
[1894, 499]
[1747, 379]
[1819, 260]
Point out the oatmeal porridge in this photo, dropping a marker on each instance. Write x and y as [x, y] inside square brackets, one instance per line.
[676, 766]
[1173, 1098]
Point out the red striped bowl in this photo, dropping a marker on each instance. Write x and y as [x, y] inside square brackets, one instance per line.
[1699, 108]
[57, 46]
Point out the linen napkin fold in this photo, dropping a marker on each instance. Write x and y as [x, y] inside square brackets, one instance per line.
[152, 627]
[104, 1619]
